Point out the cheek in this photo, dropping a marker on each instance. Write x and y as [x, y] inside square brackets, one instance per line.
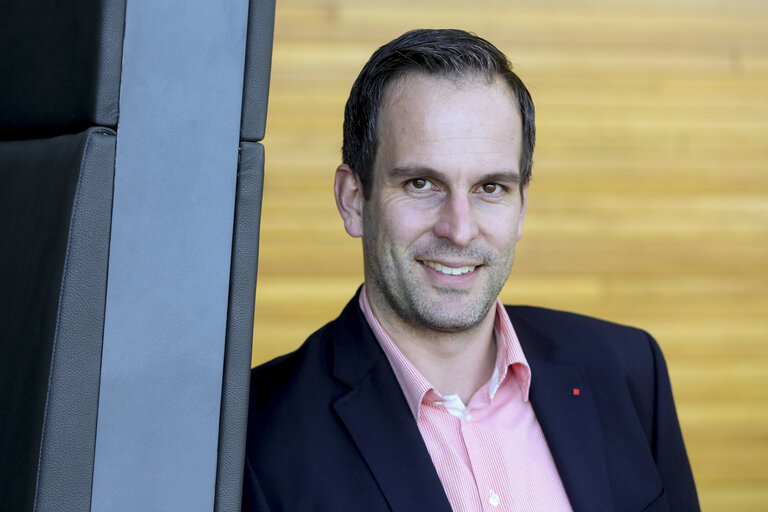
[405, 221]
[501, 228]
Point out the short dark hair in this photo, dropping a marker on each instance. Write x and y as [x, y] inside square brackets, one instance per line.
[447, 53]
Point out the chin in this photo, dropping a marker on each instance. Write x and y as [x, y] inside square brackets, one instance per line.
[455, 319]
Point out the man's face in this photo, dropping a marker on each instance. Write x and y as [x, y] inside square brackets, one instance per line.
[440, 227]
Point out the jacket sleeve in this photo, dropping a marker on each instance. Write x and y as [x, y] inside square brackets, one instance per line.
[667, 442]
[253, 496]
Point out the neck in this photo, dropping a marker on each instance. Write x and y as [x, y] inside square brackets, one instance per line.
[453, 362]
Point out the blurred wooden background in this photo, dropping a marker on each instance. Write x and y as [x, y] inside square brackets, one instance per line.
[649, 204]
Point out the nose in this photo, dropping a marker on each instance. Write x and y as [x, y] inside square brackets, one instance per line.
[456, 221]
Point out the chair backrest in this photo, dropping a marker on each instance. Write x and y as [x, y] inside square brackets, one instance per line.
[130, 241]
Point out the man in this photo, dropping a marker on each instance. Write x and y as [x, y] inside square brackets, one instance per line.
[427, 394]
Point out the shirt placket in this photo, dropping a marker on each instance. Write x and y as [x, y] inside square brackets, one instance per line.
[487, 466]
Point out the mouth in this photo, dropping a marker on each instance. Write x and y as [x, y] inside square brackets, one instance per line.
[450, 271]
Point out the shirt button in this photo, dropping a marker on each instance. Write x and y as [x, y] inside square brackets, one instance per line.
[468, 418]
[493, 499]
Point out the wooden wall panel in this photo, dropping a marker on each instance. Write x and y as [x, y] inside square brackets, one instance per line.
[649, 204]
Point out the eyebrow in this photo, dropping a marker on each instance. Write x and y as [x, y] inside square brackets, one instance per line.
[502, 176]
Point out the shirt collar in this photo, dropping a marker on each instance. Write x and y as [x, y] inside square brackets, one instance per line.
[509, 355]
[415, 386]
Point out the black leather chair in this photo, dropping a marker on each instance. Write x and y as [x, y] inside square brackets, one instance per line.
[62, 65]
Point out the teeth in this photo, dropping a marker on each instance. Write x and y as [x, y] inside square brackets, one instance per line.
[451, 271]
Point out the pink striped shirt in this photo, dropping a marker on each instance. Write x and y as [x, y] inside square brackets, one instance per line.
[491, 454]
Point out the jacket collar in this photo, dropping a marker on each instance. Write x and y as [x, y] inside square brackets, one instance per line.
[378, 419]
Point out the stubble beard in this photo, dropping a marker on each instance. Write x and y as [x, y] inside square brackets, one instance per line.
[395, 277]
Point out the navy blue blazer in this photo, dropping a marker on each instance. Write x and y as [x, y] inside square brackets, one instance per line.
[329, 428]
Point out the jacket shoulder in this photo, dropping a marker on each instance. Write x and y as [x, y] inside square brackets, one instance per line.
[572, 332]
[557, 319]
[609, 354]
[275, 380]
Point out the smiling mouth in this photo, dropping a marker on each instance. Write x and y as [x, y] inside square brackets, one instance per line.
[451, 271]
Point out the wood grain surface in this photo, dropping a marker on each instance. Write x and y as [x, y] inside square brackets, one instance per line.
[649, 204]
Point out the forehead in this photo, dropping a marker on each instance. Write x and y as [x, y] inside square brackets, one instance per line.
[471, 123]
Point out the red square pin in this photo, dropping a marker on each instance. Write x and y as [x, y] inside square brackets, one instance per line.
[576, 391]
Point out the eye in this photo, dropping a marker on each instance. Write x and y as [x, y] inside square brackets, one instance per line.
[491, 188]
[420, 183]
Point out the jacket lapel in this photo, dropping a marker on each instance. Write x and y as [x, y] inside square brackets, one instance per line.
[379, 421]
[566, 411]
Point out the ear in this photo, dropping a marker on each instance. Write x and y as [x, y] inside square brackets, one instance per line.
[523, 209]
[349, 200]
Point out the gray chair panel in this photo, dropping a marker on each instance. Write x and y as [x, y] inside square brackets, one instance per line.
[55, 206]
[170, 256]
